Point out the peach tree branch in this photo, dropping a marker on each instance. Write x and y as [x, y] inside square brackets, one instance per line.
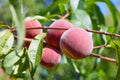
[103, 57]
[88, 30]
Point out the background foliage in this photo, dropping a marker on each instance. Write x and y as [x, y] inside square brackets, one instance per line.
[82, 13]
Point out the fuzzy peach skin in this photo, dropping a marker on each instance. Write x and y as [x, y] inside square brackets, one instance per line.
[76, 43]
[53, 36]
[32, 24]
[50, 56]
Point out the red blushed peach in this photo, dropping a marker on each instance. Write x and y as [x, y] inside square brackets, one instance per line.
[53, 36]
[76, 43]
[32, 24]
[50, 56]
[31, 33]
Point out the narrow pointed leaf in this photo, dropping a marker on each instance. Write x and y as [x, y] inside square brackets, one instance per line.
[6, 42]
[12, 58]
[18, 16]
[113, 11]
[99, 15]
[21, 67]
[117, 48]
[74, 4]
[35, 51]
[73, 65]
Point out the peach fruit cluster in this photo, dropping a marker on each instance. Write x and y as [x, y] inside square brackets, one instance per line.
[75, 43]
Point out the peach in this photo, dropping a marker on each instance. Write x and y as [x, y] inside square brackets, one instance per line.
[53, 36]
[50, 56]
[76, 43]
[32, 24]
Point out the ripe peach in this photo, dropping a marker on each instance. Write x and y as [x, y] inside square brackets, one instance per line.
[53, 36]
[76, 43]
[32, 24]
[50, 56]
[31, 33]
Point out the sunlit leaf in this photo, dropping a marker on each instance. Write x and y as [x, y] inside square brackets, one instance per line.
[6, 41]
[81, 19]
[12, 58]
[74, 4]
[35, 51]
[21, 67]
[37, 17]
[18, 16]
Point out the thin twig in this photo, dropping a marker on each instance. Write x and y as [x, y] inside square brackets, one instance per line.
[44, 27]
[100, 46]
[25, 39]
[65, 16]
[101, 32]
[93, 31]
[28, 39]
[103, 57]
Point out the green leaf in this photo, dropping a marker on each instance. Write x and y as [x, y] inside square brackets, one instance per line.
[37, 17]
[21, 66]
[99, 15]
[81, 4]
[71, 62]
[12, 58]
[2, 24]
[52, 6]
[18, 16]
[6, 42]
[35, 51]
[110, 29]
[74, 4]
[117, 48]
[113, 11]
[81, 19]
[63, 8]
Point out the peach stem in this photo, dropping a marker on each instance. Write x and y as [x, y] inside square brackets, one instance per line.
[65, 16]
